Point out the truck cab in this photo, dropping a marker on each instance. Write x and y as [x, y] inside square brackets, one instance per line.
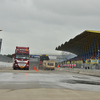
[21, 58]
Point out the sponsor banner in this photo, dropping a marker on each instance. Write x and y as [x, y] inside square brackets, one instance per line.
[88, 61]
[79, 62]
[94, 61]
[68, 62]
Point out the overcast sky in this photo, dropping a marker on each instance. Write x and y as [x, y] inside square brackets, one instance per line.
[43, 25]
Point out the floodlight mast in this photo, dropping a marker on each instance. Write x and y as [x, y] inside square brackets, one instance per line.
[0, 49]
[98, 53]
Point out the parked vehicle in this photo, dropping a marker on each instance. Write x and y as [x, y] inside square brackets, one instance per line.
[48, 64]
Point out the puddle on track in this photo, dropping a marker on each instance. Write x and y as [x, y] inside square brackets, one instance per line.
[81, 82]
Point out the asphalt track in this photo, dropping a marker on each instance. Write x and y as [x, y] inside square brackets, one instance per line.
[46, 85]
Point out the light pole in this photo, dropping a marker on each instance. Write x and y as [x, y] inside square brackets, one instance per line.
[98, 54]
[0, 42]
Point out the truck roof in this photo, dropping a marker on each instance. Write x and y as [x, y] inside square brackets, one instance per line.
[22, 50]
[48, 61]
[22, 47]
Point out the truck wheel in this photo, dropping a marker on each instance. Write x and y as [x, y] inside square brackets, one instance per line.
[27, 68]
[14, 68]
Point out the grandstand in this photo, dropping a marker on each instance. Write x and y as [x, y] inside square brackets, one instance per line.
[85, 45]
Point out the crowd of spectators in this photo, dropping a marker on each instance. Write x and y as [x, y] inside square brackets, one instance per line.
[84, 58]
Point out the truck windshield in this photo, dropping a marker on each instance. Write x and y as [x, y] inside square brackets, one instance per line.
[50, 64]
[22, 56]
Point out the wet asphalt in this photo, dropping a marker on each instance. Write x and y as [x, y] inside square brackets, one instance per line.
[32, 79]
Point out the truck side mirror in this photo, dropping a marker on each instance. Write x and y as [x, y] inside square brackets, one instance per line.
[13, 55]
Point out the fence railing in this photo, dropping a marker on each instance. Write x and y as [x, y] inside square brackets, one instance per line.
[81, 66]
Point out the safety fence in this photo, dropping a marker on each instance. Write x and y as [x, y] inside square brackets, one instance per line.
[81, 66]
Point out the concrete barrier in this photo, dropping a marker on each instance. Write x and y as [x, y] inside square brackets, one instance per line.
[5, 64]
[93, 72]
[5, 59]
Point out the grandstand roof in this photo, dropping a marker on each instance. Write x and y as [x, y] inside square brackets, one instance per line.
[87, 39]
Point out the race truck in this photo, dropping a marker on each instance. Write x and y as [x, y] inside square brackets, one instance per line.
[21, 58]
[41, 59]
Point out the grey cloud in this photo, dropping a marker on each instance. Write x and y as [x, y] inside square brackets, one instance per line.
[45, 24]
[69, 7]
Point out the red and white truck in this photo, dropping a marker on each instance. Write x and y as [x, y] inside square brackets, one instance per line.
[21, 58]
